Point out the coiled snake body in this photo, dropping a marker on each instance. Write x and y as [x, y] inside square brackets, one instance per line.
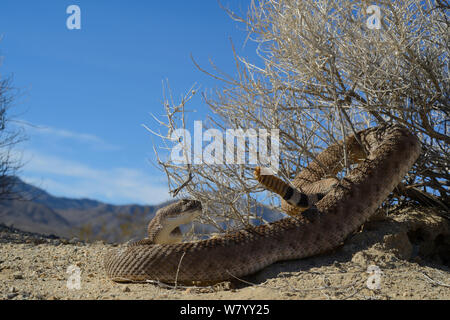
[384, 156]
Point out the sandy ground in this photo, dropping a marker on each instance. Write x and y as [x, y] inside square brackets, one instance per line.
[401, 257]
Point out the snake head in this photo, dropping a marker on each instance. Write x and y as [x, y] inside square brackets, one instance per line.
[181, 212]
[189, 205]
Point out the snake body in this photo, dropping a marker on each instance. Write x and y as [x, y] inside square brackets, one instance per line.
[384, 156]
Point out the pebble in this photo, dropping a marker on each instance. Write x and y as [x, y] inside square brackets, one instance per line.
[17, 275]
[126, 289]
[12, 295]
[189, 290]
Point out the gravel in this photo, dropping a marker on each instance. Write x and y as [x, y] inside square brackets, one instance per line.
[39, 267]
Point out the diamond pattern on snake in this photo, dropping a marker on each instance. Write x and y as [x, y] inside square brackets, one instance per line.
[323, 212]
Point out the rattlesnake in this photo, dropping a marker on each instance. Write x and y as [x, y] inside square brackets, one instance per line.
[385, 154]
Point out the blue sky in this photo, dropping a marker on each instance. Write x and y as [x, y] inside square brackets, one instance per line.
[86, 93]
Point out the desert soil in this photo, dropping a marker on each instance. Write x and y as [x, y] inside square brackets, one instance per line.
[402, 256]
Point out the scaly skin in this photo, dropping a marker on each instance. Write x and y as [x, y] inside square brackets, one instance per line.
[392, 150]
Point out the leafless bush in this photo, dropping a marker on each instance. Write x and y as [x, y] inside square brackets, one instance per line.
[324, 75]
[9, 137]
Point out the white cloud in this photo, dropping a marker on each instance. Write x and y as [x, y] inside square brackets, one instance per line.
[69, 178]
[90, 139]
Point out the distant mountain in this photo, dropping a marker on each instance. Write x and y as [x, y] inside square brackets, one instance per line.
[44, 213]
[38, 195]
[32, 217]
[86, 219]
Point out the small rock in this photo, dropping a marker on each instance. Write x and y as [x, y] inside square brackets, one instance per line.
[289, 294]
[11, 295]
[126, 289]
[12, 289]
[223, 286]
[360, 258]
[204, 290]
[189, 291]
[17, 275]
